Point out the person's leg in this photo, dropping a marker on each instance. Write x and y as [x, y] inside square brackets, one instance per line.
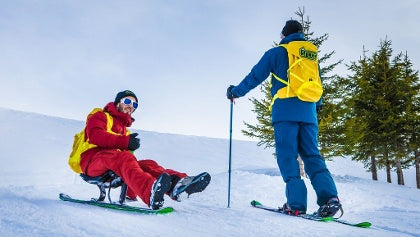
[153, 168]
[125, 165]
[189, 185]
[285, 134]
[314, 164]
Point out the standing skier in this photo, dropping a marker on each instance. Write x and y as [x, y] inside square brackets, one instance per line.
[111, 148]
[295, 130]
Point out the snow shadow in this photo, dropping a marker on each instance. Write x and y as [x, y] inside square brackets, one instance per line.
[346, 179]
[265, 171]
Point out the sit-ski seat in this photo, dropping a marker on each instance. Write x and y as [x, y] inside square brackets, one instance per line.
[108, 180]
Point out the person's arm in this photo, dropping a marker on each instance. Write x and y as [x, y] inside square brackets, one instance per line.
[97, 134]
[258, 74]
[319, 102]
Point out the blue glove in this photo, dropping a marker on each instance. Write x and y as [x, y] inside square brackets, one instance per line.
[318, 108]
[229, 94]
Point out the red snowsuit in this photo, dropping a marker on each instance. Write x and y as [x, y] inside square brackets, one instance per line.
[112, 153]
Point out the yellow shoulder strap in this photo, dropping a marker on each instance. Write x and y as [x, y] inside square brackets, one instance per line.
[81, 145]
[285, 91]
[109, 122]
[109, 119]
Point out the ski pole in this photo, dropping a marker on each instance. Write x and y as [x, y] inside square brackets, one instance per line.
[230, 150]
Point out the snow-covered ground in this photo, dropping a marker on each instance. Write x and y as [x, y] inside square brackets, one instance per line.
[33, 171]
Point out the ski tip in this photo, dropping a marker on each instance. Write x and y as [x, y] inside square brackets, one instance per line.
[327, 218]
[255, 203]
[364, 224]
[165, 210]
[63, 196]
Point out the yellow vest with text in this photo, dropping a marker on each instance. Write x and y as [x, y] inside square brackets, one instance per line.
[303, 80]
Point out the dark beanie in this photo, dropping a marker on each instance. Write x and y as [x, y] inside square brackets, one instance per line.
[292, 26]
[124, 94]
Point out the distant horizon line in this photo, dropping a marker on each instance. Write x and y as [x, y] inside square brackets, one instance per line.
[160, 132]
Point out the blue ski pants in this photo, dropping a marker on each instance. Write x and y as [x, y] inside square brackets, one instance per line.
[293, 138]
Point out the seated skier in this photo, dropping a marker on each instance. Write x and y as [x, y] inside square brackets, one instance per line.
[113, 148]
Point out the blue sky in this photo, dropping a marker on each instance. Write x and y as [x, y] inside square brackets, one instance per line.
[63, 58]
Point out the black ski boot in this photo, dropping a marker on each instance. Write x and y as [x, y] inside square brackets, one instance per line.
[159, 188]
[330, 208]
[190, 185]
[289, 211]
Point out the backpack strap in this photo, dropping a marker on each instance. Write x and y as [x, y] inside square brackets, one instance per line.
[283, 92]
[109, 119]
[81, 142]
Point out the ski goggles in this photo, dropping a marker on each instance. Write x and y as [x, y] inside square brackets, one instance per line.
[128, 101]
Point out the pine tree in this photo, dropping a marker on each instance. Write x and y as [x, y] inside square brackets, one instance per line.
[358, 102]
[382, 125]
[412, 114]
[263, 131]
[398, 93]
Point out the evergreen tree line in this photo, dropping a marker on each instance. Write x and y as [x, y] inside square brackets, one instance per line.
[371, 115]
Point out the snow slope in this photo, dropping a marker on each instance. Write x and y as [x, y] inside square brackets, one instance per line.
[33, 171]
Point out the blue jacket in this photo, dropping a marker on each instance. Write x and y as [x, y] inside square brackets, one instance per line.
[275, 60]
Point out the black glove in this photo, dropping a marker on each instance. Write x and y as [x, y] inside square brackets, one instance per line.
[318, 108]
[134, 142]
[229, 93]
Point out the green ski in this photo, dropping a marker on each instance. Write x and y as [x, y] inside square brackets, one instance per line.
[117, 206]
[311, 217]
